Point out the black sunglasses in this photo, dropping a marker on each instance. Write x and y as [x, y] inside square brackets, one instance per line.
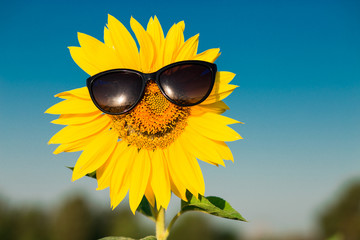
[185, 83]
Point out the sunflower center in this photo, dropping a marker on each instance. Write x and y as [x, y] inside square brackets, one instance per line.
[153, 123]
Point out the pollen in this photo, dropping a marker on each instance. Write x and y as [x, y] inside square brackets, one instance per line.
[153, 123]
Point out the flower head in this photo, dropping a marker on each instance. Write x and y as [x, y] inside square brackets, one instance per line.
[153, 149]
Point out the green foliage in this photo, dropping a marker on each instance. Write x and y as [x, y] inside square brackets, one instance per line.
[124, 238]
[212, 205]
[195, 226]
[342, 219]
[73, 220]
[91, 175]
[336, 237]
[146, 209]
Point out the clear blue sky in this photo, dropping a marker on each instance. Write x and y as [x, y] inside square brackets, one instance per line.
[298, 67]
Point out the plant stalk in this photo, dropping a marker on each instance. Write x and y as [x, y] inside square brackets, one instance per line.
[161, 233]
[173, 221]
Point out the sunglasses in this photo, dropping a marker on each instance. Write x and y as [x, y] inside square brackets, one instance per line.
[185, 83]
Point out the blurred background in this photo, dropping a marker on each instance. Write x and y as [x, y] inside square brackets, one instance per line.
[77, 218]
[296, 174]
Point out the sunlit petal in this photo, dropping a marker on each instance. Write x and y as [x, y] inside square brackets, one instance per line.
[95, 154]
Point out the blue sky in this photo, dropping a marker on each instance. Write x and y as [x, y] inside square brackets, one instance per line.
[298, 67]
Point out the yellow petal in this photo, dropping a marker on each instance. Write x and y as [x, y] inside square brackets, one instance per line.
[160, 181]
[73, 119]
[107, 38]
[147, 49]
[120, 178]
[95, 154]
[73, 146]
[189, 49]
[102, 56]
[82, 93]
[217, 97]
[149, 194]
[176, 184]
[150, 24]
[181, 25]
[213, 119]
[190, 163]
[104, 173]
[201, 147]
[73, 106]
[198, 175]
[225, 77]
[156, 32]
[140, 173]
[216, 107]
[180, 167]
[206, 149]
[209, 55]
[220, 88]
[81, 59]
[124, 44]
[222, 80]
[213, 129]
[76, 132]
[224, 150]
[173, 41]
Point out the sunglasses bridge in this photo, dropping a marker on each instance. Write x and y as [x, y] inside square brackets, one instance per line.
[149, 77]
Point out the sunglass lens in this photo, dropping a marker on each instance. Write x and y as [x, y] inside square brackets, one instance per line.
[187, 84]
[117, 92]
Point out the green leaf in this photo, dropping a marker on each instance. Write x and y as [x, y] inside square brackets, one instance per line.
[92, 175]
[125, 238]
[146, 209]
[212, 205]
[337, 236]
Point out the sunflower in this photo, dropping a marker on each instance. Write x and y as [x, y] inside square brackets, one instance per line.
[152, 150]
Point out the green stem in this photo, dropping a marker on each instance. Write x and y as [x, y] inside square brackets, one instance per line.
[172, 222]
[161, 234]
